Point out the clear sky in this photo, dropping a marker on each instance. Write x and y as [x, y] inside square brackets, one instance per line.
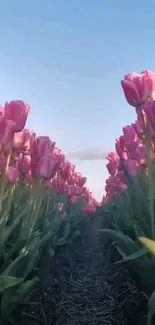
[66, 58]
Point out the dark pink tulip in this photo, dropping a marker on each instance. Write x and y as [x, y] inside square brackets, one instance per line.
[81, 181]
[129, 134]
[70, 190]
[1, 110]
[139, 128]
[150, 79]
[121, 176]
[131, 148]
[12, 174]
[88, 209]
[42, 146]
[17, 112]
[112, 167]
[74, 199]
[18, 140]
[120, 147]
[141, 155]
[150, 112]
[24, 163]
[6, 134]
[47, 167]
[66, 170]
[132, 166]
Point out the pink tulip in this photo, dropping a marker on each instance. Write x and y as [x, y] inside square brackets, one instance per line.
[129, 134]
[141, 155]
[28, 178]
[24, 163]
[60, 156]
[131, 148]
[56, 184]
[47, 167]
[6, 133]
[136, 88]
[18, 140]
[42, 146]
[132, 166]
[12, 175]
[17, 112]
[70, 190]
[150, 112]
[112, 156]
[120, 147]
[88, 209]
[81, 181]
[23, 140]
[139, 128]
[150, 79]
[74, 199]
[121, 176]
[112, 167]
[1, 111]
[2, 161]
[29, 138]
[66, 170]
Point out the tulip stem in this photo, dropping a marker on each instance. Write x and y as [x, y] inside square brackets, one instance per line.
[147, 141]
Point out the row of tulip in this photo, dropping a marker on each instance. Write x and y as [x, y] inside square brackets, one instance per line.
[33, 157]
[129, 203]
[131, 147]
[43, 204]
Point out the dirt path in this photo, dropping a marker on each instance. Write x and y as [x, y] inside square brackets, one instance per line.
[83, 287]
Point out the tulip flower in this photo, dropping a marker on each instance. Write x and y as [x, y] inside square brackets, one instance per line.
[12, 174]
[129, 134]
[46, 167]
[7, 129]
[88, 210]
[137, 87]
[24, 163]
[17, 112]
[112, 167]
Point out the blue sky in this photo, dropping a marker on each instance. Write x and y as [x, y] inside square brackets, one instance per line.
[66, 59]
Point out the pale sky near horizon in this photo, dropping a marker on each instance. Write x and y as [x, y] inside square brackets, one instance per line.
[66, 59]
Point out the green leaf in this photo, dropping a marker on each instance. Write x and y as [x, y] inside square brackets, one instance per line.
[14, 250]
[133, 256]
[32, 262]
[8, 282]
[27, 287]
[13, 296]
[66, 229]
[151, 315]
[124, 242]
[60, 242]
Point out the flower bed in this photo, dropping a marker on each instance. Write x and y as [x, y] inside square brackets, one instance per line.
[43, 205]
[129, 204]
[46, 213]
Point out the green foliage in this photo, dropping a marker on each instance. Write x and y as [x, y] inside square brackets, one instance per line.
[31, 229]
[128, 217]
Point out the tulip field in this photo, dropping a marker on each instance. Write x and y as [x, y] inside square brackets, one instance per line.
[64, 257]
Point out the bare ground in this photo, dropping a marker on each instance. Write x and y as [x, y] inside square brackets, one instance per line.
[83, 286]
